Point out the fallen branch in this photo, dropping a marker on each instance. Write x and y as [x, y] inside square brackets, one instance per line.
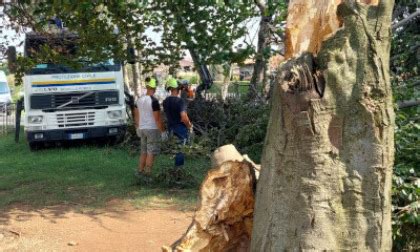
[406, 20]
[408, 104]
[408, 208]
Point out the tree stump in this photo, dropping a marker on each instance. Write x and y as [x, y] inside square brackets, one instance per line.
[223, 220]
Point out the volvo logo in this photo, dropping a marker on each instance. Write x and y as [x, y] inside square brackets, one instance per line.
[75, 99]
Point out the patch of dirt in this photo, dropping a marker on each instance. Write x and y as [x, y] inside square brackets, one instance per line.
[118, 228]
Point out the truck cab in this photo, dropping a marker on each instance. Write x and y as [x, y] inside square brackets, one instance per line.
[68, 103]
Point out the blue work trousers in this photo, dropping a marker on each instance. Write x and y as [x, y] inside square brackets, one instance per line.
[181, 132]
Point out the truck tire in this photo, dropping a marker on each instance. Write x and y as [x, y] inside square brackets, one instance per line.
[34, 146]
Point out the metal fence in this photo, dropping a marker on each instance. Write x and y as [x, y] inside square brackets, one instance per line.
[7, 118]
[214, 96]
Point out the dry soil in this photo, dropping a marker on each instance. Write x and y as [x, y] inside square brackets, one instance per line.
[118, 227]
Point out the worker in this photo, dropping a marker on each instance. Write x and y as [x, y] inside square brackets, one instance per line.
[178, 123]
[191, 93]
[184, 89]
[149, 128]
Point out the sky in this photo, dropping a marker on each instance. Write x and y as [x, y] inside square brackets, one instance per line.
[13, 38]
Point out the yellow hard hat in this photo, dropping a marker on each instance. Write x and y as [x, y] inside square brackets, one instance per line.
[151, 83]
[171, 83]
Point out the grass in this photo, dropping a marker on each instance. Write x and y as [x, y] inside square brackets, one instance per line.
[84, 175]
[242, 88]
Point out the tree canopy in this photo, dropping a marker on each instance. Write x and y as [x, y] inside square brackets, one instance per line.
[207, 28]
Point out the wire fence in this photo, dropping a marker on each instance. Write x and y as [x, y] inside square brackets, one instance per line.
[7, 118]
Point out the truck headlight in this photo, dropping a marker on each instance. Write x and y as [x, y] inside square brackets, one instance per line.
[35, 119]
[115, 114]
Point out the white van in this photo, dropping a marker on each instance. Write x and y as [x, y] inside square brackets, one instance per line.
[5, 95]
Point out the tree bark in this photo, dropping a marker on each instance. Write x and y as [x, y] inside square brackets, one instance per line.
[327, 161]
[264, 34]
[127, 78]
[203, 72]
[227, 72]
[266, 82]
[136, 79]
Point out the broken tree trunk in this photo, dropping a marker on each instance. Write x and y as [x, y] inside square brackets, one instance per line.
[223, 220]
[327, 162]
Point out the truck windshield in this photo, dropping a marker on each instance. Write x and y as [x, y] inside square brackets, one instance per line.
[65, 45]
[4, 89]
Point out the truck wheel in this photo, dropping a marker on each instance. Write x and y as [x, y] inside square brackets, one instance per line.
[34, 146]
[119, 138]
[114, 140]
[111, 141]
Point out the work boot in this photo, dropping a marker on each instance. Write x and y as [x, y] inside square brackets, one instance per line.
[142, 178]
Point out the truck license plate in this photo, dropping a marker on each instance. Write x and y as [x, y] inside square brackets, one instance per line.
[76, 136]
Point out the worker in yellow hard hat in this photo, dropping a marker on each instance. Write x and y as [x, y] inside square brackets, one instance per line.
[151, 82]
[149, 128]
[171, 83]
[178, 122]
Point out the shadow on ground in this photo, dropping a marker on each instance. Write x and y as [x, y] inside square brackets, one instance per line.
[83, 178]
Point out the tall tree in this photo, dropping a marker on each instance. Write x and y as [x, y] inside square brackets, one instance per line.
[207, 29]
[328, 156]
[104, 29]
[271, 15]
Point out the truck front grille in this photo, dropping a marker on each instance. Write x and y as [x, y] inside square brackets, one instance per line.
[75, 119]
[61, 99]
[71, 100]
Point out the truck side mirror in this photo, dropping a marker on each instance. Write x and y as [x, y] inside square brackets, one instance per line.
[131, 55]
[11, 59]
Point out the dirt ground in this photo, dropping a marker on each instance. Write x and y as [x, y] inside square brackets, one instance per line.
[121, 228]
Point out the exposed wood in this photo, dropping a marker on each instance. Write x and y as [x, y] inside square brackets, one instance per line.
[224, 154]
[223, 220]
[309, 23]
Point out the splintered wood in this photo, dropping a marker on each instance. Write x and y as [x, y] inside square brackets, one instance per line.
[310, 22]
[223, 220]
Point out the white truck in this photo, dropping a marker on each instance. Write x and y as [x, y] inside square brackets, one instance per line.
[64, 103]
